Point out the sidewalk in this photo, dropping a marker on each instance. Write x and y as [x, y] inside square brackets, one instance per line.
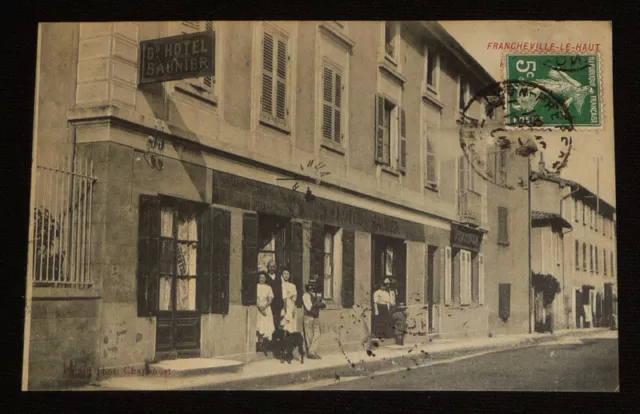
[271, 373]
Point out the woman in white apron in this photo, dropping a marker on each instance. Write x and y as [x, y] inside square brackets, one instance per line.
[264, 325]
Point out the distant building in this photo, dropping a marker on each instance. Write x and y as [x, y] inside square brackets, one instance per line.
[331, 147]
[573, 239]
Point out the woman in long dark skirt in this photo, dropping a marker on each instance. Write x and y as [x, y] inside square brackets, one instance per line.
[381, 312]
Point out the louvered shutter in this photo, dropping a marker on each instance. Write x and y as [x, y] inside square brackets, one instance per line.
[466, 286]
[432, 176]
[380, 155]
[504, 301]
[205, 261]
[348, 268]
[446, 274]
[208, 80]
[403, 141]
[249, 258]
[148, 255]
[268, 46]
[400, 257]
[296, 248]
[462, 174]
[481, 279]
[327, 105]
[337, 109]
[503, 228]
[317, 253]
[221, 261]
[281, 82]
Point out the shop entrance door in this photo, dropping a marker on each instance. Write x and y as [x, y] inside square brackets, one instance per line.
[178, 319]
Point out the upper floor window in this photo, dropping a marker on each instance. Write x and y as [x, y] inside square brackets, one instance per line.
[604, 226]
[575, 210]
[432, 69]
[391, 134]
[583, 208]
[591, 258]
[596, 253]
[604, 261]
[274, 102]
[584, 257]
[332, 88]
[577, 255]
[390, 43]
[204, 86]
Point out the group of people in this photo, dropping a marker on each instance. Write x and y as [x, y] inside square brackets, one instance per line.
[276, 303]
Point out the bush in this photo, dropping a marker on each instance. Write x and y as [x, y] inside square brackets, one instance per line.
[547, 284]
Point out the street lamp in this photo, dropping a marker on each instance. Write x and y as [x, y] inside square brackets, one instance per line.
[528, 149]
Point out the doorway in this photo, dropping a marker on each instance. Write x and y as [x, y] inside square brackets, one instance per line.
[389, 258]
[178, 319]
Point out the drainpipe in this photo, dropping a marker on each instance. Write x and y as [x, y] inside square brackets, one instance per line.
[529, 184]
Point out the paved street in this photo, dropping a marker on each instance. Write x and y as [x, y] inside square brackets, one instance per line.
[571, 364]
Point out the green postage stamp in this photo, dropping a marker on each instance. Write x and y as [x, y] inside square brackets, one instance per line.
[572, 81]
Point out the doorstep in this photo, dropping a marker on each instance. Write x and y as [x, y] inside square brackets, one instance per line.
[195, 366]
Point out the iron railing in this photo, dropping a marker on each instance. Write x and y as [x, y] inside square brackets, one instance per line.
[62, 224]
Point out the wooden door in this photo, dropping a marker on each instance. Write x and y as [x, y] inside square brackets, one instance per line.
[178, 319]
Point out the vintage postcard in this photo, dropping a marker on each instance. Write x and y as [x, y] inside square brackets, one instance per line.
[323, 205]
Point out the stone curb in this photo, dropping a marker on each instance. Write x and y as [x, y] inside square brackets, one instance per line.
[409, 360]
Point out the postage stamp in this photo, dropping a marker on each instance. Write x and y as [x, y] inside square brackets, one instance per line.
[572, 79]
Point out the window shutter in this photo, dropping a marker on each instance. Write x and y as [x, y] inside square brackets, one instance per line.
[348, 268]
[148, 255]
[317, 253]
[597, 268]
[465, 288]
[379, 130]
[327, 105]
[462, 174]
[403, 141]
[205, 281]
[337, 111]
[281, 82]
[208, 80]
[446, 273]
[400, 271]
[296, 248]
[249, 258]
[503, 229]
[190, 27]
[432, 176]
[267, 75]
[221, 261]
[481, 279]
[504, 301]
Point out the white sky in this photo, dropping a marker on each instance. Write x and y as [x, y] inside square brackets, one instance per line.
[587, 145]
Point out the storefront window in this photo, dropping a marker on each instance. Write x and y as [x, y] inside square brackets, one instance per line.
[328, 265]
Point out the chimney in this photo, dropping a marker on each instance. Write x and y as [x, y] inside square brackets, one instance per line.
[541, 167]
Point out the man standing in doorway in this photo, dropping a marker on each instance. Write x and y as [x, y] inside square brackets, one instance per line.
[312, 304]
[275, 281]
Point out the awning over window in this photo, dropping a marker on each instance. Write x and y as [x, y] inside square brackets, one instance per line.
[543, 219]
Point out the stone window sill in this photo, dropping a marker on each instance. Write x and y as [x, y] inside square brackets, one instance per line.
[432, 187]
[332, 146]
[206, 97]
[275, 125]
[392, 171]
[431, 98]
